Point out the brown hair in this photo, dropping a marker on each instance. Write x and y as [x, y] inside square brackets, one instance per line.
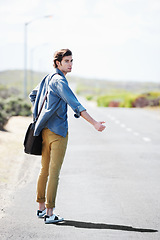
[58, 56]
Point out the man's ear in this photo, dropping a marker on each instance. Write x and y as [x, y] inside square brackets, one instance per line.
[57, 62]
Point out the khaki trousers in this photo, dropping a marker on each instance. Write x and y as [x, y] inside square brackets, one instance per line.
[53, 151]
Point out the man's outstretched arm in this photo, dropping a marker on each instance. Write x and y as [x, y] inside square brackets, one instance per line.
[97, 125]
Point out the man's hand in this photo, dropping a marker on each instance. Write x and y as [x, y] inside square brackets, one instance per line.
[99, 126]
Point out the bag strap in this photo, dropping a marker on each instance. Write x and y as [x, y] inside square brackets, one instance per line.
[41, 107]
[43, 102]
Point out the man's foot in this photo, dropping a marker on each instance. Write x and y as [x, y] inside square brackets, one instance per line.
[52, 219]
[40, 213]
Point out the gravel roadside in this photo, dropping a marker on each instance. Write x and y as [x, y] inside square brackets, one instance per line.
[11, 157]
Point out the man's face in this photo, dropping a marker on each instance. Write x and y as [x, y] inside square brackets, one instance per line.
[65, 65]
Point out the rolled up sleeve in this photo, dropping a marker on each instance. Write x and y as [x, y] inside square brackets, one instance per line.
[33, 94]
[78, 111]
[64, 91]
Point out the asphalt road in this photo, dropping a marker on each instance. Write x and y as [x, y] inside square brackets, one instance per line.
[109, 183]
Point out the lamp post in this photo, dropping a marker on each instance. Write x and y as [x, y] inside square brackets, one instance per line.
[25, 51]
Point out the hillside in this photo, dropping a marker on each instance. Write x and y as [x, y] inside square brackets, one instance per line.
[118, 85]
[15, 79]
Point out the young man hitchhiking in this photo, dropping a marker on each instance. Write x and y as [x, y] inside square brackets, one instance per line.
[54, 126]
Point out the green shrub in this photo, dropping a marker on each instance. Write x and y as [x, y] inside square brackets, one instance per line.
[89, 97]
[124, 98]
[3, 119]
[17, 107]
[152, 94]
[104, 101]
[13, 106]
[128, 100]
[25, 109]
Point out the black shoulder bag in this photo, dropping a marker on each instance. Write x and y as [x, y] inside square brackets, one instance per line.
[33, 144]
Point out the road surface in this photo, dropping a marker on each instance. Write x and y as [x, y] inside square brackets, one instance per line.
[109, 183]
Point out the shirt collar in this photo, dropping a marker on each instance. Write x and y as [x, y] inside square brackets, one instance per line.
[60, 72]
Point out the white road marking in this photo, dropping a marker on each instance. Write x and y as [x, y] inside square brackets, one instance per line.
[136, 133]
[117, 122]
[129, 129]
[113, 118]
[146, 139]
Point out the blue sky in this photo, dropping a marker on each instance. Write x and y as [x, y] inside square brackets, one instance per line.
[110, 39]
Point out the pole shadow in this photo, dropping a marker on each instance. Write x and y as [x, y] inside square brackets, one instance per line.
[90, 225]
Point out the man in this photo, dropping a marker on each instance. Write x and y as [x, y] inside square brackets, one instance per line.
[54, 126]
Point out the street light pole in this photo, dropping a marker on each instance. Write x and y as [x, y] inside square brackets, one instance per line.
[25, 51]
[25, 60]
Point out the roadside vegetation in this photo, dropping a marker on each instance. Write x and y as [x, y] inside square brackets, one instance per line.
[128, 99]
[12, 104]
[120, 94]
[104, 92]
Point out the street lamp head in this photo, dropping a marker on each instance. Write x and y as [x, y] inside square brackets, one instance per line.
[35, 19]
[48, 16]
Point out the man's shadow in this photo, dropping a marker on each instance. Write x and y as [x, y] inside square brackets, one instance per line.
[90, 225]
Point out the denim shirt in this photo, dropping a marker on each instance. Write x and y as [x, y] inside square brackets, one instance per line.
[54, 111]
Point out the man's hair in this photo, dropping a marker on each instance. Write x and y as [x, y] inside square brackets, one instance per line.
[59, 55]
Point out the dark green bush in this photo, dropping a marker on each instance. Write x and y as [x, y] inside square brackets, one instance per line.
[13, 106]
[17, 107]
[3, 119]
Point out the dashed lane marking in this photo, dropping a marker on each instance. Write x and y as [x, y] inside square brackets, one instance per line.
[129, 129]
[117, 122]
[146, 139]
[136, 133]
